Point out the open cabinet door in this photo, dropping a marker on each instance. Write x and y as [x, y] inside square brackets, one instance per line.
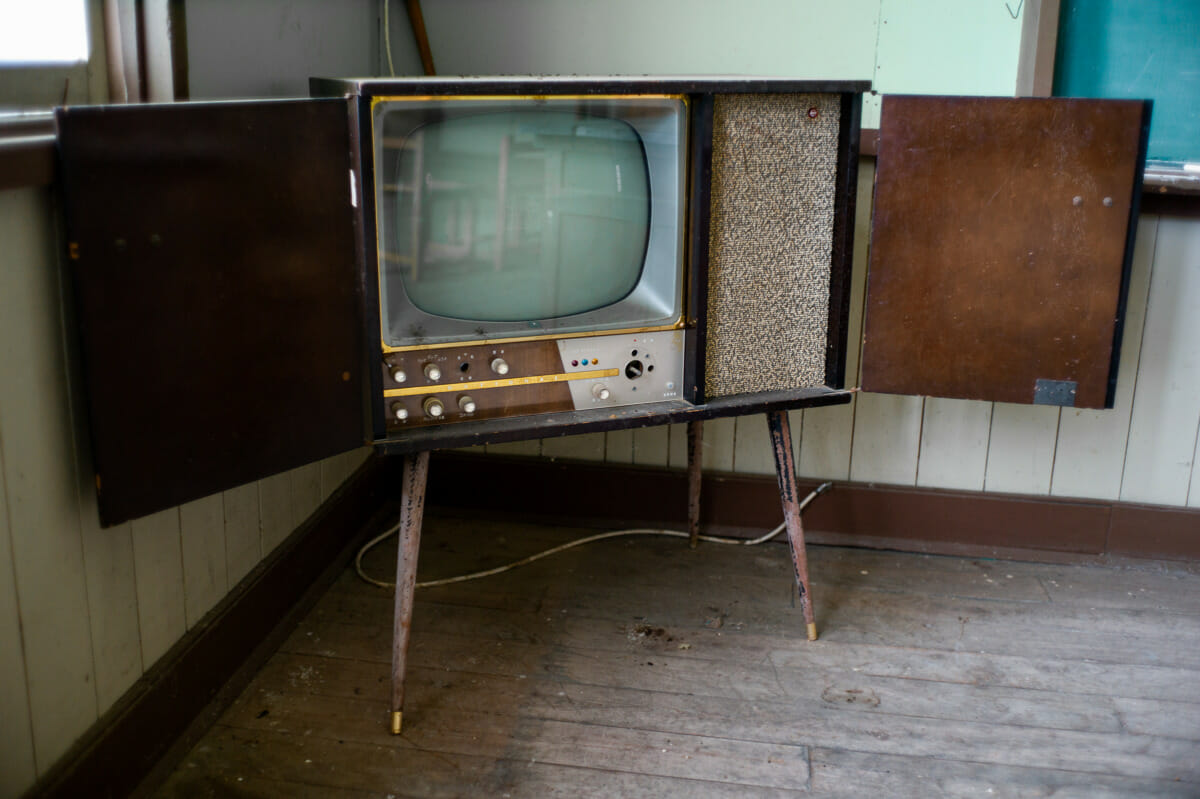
[215, 253]
[1001, 246]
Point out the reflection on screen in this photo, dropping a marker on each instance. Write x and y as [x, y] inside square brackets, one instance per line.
[520, 215]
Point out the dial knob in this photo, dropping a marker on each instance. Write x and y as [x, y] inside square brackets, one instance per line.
[466, 404]
[600, 391]
[398, 375]
[432, 372]
[633, 370]
[399, 411]
[433, 407]
[500, 366]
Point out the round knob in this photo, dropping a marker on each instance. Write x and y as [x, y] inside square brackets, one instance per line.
[399, 411]
[500, 366]
[633, 370]
[600, 391]
[432, 372]
[398, 375]
[433, 407]
[466, 404]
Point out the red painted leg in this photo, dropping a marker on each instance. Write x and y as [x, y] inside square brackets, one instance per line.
[412, 507]
[695, 437]
[785, 471]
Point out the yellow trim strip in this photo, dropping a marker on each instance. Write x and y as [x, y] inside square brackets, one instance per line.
[479, 385]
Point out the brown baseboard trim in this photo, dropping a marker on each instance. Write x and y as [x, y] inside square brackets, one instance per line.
[130, 739]
[966, 523]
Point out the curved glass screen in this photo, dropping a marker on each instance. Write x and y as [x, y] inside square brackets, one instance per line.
[542, 213]
[506, 217]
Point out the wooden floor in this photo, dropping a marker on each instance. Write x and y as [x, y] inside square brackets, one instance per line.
[639, 668]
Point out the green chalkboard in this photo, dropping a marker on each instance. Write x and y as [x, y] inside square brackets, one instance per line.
[1137, 49]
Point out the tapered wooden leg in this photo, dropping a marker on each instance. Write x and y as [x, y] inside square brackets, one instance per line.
[785, 471]
[412, 507]
[695, 438]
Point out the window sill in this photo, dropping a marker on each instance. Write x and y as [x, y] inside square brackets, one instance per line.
[26, 150]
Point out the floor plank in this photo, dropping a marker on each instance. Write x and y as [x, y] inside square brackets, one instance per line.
[641, 668]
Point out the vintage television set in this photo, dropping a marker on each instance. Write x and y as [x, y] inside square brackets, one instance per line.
[544, 246]
[436, 262]
[439, 262]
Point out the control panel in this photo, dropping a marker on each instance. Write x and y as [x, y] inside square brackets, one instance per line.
[443, 385]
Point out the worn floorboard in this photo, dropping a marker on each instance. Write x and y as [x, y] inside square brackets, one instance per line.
[638, 667]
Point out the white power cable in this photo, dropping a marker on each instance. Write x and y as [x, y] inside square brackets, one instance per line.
[462, 578]
[387, 38]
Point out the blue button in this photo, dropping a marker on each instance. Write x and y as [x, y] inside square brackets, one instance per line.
[584, 362]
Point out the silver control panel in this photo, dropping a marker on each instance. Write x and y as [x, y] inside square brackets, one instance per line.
[629, 369]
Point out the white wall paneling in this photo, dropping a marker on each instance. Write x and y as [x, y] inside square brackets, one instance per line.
[17, 767]
[1166, 398]
[586, 447]
[1021, 449]
[752, 452]
[205, 576]
[887, 439]
[39, 480]
[275, 510]
[651, 445]
[618, 446]
[954, 444]
[243, 539]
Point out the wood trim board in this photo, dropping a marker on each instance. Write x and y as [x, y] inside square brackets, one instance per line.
[970, 523]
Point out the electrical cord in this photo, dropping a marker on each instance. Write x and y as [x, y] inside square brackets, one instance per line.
[387, 38]
[462, 578]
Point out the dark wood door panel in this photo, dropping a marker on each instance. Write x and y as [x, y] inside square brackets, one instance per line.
[1000, 247]
[217, 281]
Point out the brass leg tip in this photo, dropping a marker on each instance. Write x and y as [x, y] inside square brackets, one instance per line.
[397, 721]
[812, 632]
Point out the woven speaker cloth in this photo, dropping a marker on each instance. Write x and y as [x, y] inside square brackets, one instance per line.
[770, 241]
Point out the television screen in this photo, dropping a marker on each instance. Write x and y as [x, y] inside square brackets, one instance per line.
[516, 217]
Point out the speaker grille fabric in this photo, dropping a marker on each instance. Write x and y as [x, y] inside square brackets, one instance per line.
[770, 241]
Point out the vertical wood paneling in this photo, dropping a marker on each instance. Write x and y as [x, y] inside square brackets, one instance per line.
[677, 448]
[39, 480]
[1021, 448]
[306, 492]
[202, 537]
[276, 520]
[586, 447]
[17, 769]
[718, 443]
[887, 439]
[243, 539]
[752, 443]
[158, 566]
[1090, 454]
[1166, 399]
[109, 573]
[954, 444]
[825, 445]
[618, 446]
[112, 601]
[752, 452]
[531, 447]
[651, 445]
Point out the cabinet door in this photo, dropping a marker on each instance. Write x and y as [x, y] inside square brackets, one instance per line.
[215, 250]
[1001, 247]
